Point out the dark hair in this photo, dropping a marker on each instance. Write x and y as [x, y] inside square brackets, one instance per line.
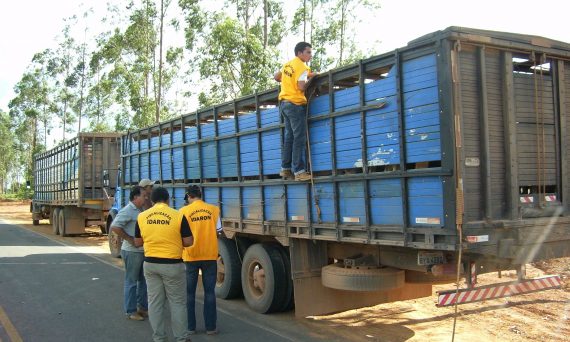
[135, 191]
[301, 46]
[159, 194]
[193, 191]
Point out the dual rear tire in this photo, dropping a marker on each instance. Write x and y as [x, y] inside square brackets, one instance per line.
[263, 276]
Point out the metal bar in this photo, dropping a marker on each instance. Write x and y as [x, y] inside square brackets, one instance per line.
[402, 140]
[332, 124]
[364, 147]
[511, 165]
[563, 188]
[184, 162]
[484, 136]
[171, 161]
[447, 103]
[259, 144]
[217, 144]
[159, 155]
[93, 142]
[199, 143]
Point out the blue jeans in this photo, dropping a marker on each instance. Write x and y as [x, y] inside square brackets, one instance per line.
[135, 283]
[209, 272]
[295, 140]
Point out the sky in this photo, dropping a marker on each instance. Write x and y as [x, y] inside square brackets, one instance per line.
[30, 26]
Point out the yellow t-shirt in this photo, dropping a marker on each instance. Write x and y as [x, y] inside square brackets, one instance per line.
[160, 230]
[202, 218]
[290, 74]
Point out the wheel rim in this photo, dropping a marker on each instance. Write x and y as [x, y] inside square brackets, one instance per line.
[256, 278]
[221, 275]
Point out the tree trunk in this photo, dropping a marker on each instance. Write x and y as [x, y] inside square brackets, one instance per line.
[159, 92]
[342, 25]
[265, 28]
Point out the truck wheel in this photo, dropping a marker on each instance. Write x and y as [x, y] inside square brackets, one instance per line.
[228, 280]
[61, 224]
[55, 221]
[36, 222]
[289, 300]
[337, 277]
[115, 242]
[263, 278]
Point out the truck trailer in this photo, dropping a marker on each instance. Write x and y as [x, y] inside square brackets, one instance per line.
[445, 157]
[75, 182]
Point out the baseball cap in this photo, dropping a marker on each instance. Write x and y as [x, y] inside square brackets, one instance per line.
[146, 182]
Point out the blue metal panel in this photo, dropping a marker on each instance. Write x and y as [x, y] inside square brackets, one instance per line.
[133, 145]
[319, 105]
[192, 162]
[144, 144]
[178, 162]
[230, 202]
[247, 122]
[154, 166]
[135, 168]
[207, 129]
[425, 201]
[211, 196]
[348, 141]
[126, 194]
[382, 136]
[226, 127]
[325, 195]
[380, 89]
[154, 142]
[297, 206]
[320, 138]
[144, 166]
[347, 98]
[351, 203]
[274, 206]
[127, 171]
[166, 165]
[191, 134]
[386, 201]
[228, 157]
[165, 139]
[271, 151]
[209, 157]
[249, 155]
[177, 137]
[252, 205]
[178, 198]
[269, 117]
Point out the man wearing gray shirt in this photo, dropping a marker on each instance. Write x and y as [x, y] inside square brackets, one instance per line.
[135, 305]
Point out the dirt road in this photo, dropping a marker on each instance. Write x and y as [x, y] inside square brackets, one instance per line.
[542, 316]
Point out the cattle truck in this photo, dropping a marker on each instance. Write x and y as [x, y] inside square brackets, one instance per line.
[75, 182]
[451, 148]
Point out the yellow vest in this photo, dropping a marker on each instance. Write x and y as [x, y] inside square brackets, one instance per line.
[290, 74]
[202, 218]
[160, 231]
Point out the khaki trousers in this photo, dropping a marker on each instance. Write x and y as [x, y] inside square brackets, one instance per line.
[166, 282]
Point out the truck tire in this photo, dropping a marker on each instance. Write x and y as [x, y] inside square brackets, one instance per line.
[55, 221]
[61, 222]
[289, 300]
[337, 277]
[228, 280]
[263, 278]
[115, 242]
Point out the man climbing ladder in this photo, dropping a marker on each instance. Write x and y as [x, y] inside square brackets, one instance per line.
[294, 77]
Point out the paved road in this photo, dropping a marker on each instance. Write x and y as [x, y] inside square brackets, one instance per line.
[55, 292]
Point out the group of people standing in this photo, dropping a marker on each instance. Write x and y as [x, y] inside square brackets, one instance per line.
[163, 251]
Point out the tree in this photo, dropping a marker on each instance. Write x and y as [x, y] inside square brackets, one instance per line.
[7, 149]
[234, 56]
[330, 26]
